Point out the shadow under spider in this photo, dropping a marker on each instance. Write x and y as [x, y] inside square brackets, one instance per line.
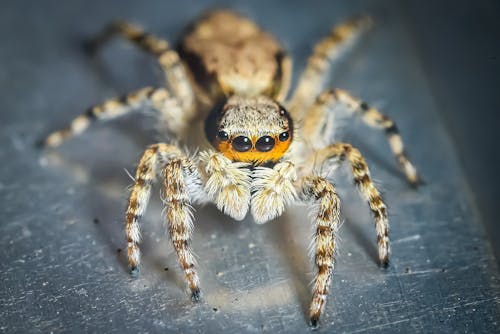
[284, 233]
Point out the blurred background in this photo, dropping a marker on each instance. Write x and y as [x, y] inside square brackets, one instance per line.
[459, 49]
[432, 66]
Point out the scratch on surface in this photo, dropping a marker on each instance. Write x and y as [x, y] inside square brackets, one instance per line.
[420, 272]
[67, 248]
[81, 284]
[380, 326]
[425, 313]
[410, 238]
[416, 272]
[78, 260]
[473, 303]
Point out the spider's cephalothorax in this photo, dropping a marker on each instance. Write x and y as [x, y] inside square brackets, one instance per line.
[231, 78]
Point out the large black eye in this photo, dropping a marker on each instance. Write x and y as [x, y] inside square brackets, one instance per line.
[284, 136]
[242, 144]
[265, 144]
[222, 135]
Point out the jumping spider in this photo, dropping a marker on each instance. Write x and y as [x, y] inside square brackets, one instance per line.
[229, 80]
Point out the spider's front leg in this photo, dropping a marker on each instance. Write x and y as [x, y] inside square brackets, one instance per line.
[176, 170]
[364, 183]
[179, 216]
[322, 195]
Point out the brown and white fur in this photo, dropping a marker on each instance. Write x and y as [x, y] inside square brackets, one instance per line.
[231, 79]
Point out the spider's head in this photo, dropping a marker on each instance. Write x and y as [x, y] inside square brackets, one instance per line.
[256, 129]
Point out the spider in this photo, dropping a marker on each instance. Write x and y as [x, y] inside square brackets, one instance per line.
[236, 140]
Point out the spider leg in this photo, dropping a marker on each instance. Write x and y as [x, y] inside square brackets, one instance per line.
[135, 34]
[158, 98]
[325, 51]
[327, 219]
[179, 218]
[286, 79]
[175, 73]
[176, 170]
[139, 197]
[374, 118]
[364, 183]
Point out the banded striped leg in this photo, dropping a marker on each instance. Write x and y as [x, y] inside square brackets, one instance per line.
[138, 200]
[179, 218]
[327, 220]
[113, 108]
[176, 168]
[135, 34]
[373, 118]
[325, 51]
[175, 72]
[367, 189]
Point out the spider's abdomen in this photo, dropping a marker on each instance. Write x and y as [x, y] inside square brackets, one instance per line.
[229, 54]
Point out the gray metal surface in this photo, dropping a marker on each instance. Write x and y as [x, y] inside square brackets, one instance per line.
[61, 232]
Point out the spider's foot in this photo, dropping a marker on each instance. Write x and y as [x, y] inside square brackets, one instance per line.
[134, 272]
[417, 182]
[385, 263]
[196, 295]
[412, 175]
[314, 322]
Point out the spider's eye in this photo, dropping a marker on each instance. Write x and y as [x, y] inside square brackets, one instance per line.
[284, 136]
[222, 135]
[265, 144]
[242, 144]
[282, 111]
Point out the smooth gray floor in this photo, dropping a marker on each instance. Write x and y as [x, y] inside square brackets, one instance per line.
[61, 232]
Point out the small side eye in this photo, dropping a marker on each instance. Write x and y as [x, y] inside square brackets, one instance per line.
[222, 135]
[282, 111]
[284, 136]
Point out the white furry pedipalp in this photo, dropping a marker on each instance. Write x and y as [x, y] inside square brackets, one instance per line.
[272, 190]
[227, 184]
